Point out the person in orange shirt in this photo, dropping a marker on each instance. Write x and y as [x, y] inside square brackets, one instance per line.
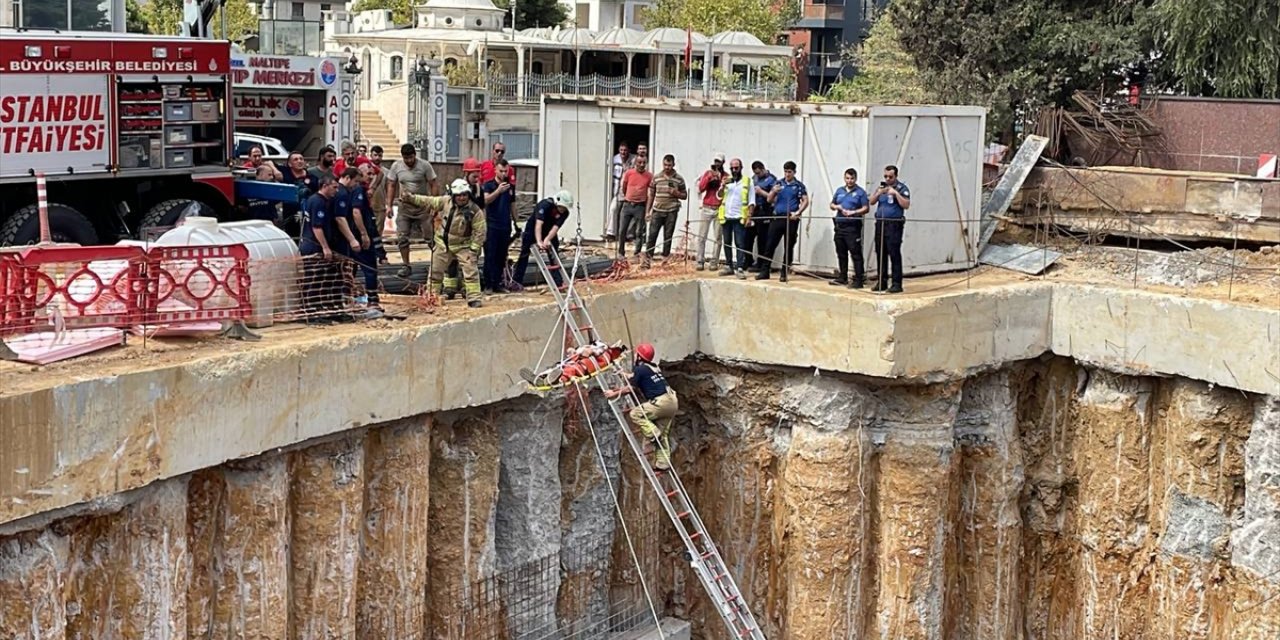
[636, 195]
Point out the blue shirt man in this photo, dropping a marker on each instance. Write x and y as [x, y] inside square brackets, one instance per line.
[317, 220]
[543, 226]
[342, 210]
[888, 206]
[648, 380]
[497, 213]
[551, 217]
[787, 200]
[849, 200]
[764, 183]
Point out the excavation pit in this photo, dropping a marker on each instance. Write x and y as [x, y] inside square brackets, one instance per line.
[1006, 458]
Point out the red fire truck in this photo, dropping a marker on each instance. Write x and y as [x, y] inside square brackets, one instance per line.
[129, 131]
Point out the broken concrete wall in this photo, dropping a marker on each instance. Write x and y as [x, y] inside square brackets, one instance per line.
[32, 566]
[527, 521]
[1255, 543]
[460, 536]
[129, 570]
[391, 592]
[326, 501]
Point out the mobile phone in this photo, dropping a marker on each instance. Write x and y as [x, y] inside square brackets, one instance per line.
[883, 184]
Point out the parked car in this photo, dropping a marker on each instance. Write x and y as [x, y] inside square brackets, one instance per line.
[272, 148]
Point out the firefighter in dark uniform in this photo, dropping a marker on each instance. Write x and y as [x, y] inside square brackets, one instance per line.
[658, 405]
[542, 231]
[459, 234]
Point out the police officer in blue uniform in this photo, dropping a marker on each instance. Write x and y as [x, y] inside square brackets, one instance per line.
[790, 199]
[850, 204]
[893, 198]
[543, 230]
[320, 271]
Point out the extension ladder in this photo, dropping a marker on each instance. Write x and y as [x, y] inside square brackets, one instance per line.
[701, 550]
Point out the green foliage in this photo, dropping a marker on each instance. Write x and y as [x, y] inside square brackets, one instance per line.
[401, 10]
[464, 74]
[725, 79]
[164, 17]
[1228, 48]
[135, 21]
[1014, 56]
[885, 72]
[538, 13]
[710, 17]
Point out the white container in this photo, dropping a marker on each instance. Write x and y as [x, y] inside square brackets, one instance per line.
[273, 260]
[938, 150]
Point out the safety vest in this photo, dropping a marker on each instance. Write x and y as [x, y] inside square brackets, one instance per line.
[745, 184]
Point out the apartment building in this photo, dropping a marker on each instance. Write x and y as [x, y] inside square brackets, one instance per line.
[825, 28]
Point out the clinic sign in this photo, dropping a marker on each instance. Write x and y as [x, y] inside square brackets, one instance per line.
[267, 107]
[252, 70]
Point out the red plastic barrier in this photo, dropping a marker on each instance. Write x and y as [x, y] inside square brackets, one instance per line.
[197, 283]
[82, 287]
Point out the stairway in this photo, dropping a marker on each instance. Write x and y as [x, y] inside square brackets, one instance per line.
[372, 129]
[700, 549]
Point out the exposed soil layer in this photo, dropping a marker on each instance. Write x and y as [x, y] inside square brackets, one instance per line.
[1040, 501]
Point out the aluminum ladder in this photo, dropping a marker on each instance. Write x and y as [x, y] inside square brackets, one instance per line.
[701, 550]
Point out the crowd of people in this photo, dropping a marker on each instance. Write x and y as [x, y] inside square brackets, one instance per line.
[348, 196]
[750, 216]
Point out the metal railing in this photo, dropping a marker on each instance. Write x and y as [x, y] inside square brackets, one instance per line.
[505, 88]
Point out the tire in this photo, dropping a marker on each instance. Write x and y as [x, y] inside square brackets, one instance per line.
[65, 225]
[170, 212]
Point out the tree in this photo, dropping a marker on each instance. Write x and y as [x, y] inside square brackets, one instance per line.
[401, 10]
[135, 21]
[761, 19]
[1014, 56]
[884, 71]
[164, 17]
[1228, 48]
[538, 13]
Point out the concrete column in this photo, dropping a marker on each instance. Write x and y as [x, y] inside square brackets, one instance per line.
[577, 72]
[916, 509]
[824, 489]
[31, 586]
[327, 504]
[1113, 430]
[1197, 463]
[238, 519]
[988, 581]
[527, 524]
[520, 74]
[392, 575]
[590, 540]
[1255, 544]
[460, 549]
[130, 571]
[630, 57]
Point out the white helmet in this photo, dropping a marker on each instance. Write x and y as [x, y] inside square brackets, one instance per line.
[564, 199]
[459, 187]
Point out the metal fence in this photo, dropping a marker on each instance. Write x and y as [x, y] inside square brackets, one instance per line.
[569, 595]
[505, 88]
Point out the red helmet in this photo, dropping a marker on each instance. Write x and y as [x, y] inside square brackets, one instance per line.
[644, 351]
[470, 164]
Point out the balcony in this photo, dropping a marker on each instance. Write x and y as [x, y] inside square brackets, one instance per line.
[825, 64]
[505, 89]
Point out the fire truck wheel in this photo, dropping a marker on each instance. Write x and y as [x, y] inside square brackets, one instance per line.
[65, 225]
[170, 212]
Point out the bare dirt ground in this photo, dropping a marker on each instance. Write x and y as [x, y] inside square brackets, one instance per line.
[1253, 279]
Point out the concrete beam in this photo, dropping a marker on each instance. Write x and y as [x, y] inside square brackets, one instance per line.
[89, 439]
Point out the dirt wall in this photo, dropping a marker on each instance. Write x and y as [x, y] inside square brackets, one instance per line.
[1044, 500]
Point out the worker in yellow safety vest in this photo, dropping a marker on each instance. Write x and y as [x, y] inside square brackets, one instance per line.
[734, 217]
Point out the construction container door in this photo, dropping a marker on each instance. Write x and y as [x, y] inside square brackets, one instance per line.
[584, 171]
[938, 152]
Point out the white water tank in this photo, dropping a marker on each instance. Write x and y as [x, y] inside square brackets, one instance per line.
[273, 260]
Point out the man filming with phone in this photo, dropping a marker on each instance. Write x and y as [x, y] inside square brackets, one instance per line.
[499, 213]
[892, 199]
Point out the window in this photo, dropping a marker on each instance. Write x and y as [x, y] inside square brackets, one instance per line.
[299, 11]
[66, 14]
[536, 67]
[521, 145]
[325, 6]
[397, 67]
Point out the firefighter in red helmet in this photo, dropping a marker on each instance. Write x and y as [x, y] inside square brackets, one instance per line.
[658, 406]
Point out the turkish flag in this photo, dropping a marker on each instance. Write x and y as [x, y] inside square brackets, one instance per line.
[688, 48]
